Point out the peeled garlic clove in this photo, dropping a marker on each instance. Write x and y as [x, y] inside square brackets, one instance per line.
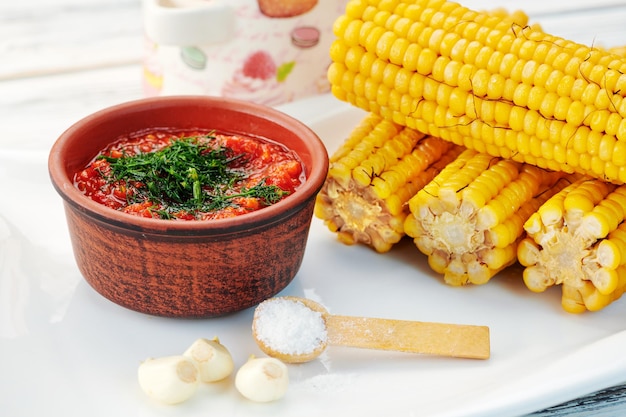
[170, 379]
[214, 361]
[262, 379]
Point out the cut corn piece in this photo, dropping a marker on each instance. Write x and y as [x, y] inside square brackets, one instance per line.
[469, 219]
[371, 177]
[485, 82]
[577, 239]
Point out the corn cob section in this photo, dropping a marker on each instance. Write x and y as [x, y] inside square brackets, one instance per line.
[371, 177]
[485, 82]
[469, 219]
[577, 240]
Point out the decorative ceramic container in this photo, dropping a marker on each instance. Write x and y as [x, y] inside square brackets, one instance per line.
[265, 51]
[179, 268]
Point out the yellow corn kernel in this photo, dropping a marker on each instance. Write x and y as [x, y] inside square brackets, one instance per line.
[460, 219]
[372, 176]
[578, 242]
[477, 73]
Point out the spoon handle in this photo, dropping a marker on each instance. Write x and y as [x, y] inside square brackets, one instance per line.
[456, 340]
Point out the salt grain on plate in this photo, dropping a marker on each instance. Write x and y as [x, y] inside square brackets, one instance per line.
[289, 327]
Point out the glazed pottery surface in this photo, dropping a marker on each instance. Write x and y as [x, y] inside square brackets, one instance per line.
[179, 268]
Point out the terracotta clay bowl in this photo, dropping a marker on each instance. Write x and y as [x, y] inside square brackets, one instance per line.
[179, 268]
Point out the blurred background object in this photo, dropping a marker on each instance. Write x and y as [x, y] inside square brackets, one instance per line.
[266, 51]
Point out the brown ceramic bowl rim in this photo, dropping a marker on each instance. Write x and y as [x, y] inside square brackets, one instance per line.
[316, 173]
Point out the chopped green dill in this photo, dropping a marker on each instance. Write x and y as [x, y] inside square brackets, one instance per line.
[188, 175]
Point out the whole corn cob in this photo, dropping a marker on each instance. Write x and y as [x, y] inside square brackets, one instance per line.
[577, 239]
[468, 220]
[371, 177]
[485, 82]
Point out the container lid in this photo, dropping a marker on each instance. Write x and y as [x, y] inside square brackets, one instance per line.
[188, 22]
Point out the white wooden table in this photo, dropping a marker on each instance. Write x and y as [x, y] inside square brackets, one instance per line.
[63, 59]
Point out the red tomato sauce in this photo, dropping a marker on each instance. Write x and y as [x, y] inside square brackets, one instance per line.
[254, 162]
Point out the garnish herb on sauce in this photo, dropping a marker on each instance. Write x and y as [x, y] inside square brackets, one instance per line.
[187, 175]
[190, 176]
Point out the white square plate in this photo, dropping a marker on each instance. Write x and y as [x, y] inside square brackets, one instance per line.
[67, 351]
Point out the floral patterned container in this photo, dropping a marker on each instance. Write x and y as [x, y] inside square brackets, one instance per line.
[265, 51]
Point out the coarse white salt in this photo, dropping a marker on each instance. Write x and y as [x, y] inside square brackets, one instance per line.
[289, 327]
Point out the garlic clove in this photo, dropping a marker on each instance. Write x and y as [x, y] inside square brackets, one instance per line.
[170, 379]
[262, 379]
[212, 358]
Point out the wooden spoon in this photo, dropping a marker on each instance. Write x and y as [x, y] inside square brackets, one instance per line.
[455, 340]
